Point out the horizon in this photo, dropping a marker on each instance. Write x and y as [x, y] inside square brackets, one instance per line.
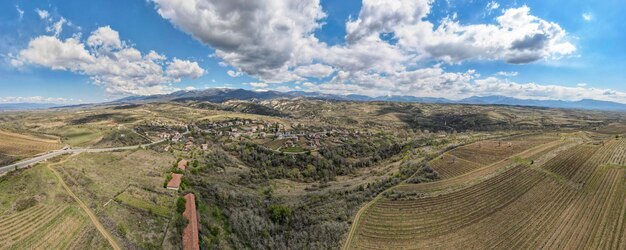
[63, 52]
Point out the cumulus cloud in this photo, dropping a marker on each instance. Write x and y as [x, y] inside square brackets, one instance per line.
[495, 86]
[314, 70]
[119, 68]
[587, 16]
[178, 69]
[517, 37]
[258, 85]
[106, 38]
[274, 42]
[383, 16]
[261, 38]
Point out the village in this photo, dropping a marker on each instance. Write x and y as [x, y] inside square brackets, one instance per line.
[293, 137]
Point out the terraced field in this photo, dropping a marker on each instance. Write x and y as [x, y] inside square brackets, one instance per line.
[574, 198]
[44, 227]
[476, 155]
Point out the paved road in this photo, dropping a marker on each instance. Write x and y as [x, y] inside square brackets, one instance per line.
[36, 159]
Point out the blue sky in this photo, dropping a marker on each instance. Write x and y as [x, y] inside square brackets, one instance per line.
[527, 49]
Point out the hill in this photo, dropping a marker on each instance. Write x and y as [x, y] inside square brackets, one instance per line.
[224, 94]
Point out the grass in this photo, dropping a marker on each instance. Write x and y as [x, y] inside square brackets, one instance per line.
[79, 136]
[130, 184]
[148, 201]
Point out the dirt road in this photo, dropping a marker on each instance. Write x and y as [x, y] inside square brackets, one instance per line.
[87, 210]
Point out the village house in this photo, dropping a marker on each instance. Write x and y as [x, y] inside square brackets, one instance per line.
[205, 146]
[174, 183]
[188, 146]
[190, 233]
[182, 164]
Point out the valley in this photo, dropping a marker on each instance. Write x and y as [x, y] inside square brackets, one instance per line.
[318, 174]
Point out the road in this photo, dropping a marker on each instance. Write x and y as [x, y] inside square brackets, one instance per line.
[32, 161]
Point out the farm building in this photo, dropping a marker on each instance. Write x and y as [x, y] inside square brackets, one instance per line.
[182, 164]
[190, 234]
[174, 183]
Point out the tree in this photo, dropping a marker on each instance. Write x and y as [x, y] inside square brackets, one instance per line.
[181, 205]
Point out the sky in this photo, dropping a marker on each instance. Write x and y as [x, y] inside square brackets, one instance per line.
[71, 51]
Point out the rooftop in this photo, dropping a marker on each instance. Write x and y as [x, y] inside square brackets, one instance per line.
[175, 181]
[190, 234]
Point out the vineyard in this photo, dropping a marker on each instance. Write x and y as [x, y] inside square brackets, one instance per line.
[576, 199]
[43, 227]
[476, 155]
[21, 145]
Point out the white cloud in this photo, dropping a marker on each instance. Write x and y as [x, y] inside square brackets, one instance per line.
[190, 88]
[183, 68]
[495, 86]
[43, 14]
[119, 68]
[587, 16]
[491, 6]
[435, 82]
[261, 38]
[517, 38]
[232, 73]
[274, 42]
[20, 12]
[105, 37]
[383, 16]
[34, 99]
[258, 85]
[581, 84]
[283, 88]
[507, 74]
[314, 70]
[57, 27]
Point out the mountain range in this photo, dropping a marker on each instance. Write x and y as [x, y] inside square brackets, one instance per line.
[225, 94]
[219, 95]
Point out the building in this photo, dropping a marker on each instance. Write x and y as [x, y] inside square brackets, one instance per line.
[205, 146]
[174, 183]
[190, 234]
[182, 164]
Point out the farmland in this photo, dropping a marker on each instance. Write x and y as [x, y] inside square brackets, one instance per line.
[13, 146]
[570, 196]
[37, 214]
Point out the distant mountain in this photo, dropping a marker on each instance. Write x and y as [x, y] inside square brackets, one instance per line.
[210, 95]
[25, 106]
[582, 104]
[220, 95]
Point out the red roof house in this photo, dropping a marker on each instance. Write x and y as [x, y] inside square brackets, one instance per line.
[182, 164]
[190, 234]
[174, 183]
